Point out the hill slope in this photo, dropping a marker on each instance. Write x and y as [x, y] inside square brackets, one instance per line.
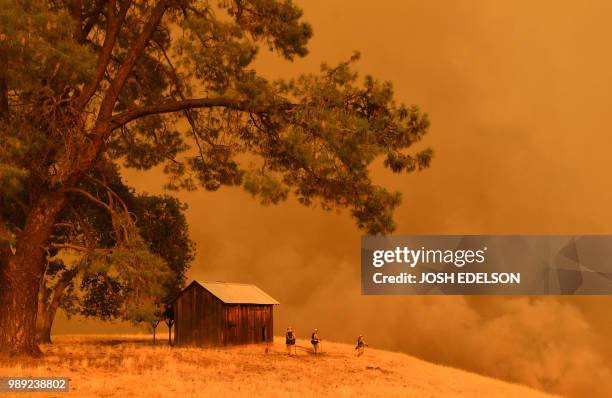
[127, 366]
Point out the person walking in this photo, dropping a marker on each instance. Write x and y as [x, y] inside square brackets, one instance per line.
[361, 345]
[290, 341]
[315, 340]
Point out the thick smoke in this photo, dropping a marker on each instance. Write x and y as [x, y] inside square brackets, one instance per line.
[541, 342]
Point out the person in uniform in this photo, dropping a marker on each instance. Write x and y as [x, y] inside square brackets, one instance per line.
[361, 345]
[315, 340]
[290, 340]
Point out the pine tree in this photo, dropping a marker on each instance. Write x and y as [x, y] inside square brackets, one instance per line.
[85, 83]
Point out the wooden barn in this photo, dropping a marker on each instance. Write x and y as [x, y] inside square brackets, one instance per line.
[218, 313]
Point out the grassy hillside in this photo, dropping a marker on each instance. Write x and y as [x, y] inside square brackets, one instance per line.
[128, 366]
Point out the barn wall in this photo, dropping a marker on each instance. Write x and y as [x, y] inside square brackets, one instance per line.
[248, 324]
[199, 318]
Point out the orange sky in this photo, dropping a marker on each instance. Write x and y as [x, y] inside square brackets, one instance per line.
[518, 94]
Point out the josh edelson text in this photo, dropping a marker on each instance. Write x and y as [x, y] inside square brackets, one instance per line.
[436, 262]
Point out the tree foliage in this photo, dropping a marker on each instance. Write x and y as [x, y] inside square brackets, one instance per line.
[313, 136]
[163, 226]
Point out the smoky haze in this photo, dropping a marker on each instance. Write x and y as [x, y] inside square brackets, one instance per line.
[518, 94]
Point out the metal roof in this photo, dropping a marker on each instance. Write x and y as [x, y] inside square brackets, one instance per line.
[237, 293]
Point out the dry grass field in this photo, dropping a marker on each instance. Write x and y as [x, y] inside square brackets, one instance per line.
[129, 366]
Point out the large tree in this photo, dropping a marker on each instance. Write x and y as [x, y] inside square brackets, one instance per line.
[171, 82]
[86, 272]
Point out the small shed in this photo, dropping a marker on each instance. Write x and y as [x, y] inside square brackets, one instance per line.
[210, 314]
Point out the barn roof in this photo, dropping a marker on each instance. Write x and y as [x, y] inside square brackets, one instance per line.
[237, 293]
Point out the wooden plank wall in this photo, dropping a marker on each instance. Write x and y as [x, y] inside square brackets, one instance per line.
[248, 324]
[199, 318]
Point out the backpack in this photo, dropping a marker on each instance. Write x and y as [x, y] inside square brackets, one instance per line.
[314, 339]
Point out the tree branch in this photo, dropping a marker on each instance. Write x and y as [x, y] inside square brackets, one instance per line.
[110, 192]
[86, 228]
[58, 291]
[92, 17]
[115, 21]
[70, 246]
[118, 227]
[108, 103]
[187, 112]
[63, 225]
[103, 124]
[123, 118]
[90, 197]
[76, 12]
[4, 103]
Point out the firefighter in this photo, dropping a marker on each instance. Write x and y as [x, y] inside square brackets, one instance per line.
[315, 340]
[290, 340]
[361, 345]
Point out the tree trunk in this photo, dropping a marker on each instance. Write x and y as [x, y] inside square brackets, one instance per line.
[4, 105]
[41, 313]
[20, 276]
[43, 326]
[43, 330]
[46, 313]
[169, 323]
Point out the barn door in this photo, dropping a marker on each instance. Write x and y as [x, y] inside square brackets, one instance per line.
[264, 334]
